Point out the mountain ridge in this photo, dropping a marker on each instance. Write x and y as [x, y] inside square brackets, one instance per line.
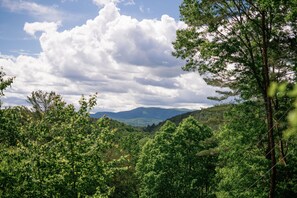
[143, 116]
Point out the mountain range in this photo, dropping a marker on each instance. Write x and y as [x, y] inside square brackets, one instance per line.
[142, 116]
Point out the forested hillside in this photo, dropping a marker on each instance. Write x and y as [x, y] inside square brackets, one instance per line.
[246, 49]
[213, 117]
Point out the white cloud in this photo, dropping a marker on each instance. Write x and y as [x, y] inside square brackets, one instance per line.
[38, 11]
[48, 27]
[127, 61]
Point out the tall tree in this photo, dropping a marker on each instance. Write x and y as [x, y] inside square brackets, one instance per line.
[169, 165]
[237, 44]
[241, 168]
[155, 166]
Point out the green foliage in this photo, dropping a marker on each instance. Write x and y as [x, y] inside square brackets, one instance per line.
[11, 120]
[169, 165]
[4, 83]
[127, 141]
[241, 170]
[292, 116]
[285, 90]
[213, 117]
[55, 150]
[225, 40]
[140, 122]
[245, 45]
[42, 101]
[62, 154]
[155, 167]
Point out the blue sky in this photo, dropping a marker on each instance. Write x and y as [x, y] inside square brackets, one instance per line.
[118, 48]
[15, 13]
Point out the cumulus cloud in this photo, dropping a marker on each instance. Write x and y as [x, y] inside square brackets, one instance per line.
[127, 61]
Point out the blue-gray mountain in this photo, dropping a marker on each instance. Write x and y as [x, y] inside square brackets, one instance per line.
[142, 116]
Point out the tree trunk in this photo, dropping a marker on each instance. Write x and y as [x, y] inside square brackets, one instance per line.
[268, 107]
[271, 147]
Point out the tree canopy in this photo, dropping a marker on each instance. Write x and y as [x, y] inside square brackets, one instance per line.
[243, 45]
[169, 164]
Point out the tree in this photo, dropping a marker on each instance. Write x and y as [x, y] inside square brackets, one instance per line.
[169, 165]
[241, 168]
[195, 171]
[62, 154]
[4, 83]
[243, 45]
[9, 118]
[125, 181]
[42, 101]
[155, 167]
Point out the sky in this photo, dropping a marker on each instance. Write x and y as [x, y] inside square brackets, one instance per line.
[120, 49]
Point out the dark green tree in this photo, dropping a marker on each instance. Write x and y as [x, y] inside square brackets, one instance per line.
[243, 45]
[241, 168]
[125, 181]
[196, 172]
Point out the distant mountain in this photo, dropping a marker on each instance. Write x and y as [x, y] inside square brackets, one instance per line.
[142, 116]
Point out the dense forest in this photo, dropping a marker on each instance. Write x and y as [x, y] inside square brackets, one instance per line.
[245, 149]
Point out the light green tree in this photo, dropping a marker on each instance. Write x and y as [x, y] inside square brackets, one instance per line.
[169, 165]
[62, 154]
